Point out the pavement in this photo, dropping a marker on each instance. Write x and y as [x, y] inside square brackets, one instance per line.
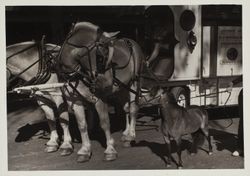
[28, 133]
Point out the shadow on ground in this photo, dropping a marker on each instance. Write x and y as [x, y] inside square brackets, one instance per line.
[40, 129]
[223, 140]
[160, 150]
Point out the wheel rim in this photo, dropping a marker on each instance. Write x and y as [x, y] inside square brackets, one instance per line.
[181, 100]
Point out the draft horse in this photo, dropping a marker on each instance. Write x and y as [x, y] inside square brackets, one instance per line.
[178, 121]
[31, 61]
[97, 64]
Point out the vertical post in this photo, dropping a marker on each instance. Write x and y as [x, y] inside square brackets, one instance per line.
[213, 51]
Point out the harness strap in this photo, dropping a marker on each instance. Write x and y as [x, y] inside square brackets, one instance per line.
[130, 47]
[44, 68]
[41, 63]
[119, 83]
[46, 101]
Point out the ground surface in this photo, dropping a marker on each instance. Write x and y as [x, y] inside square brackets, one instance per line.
[26, 141]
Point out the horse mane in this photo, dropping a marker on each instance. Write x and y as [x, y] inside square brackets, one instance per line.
[87, 25]
[20, 44]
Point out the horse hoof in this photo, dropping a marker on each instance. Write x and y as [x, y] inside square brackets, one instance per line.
[66, 151]
[110, 157]
[127, 144]
[83, 158]
[50, 149]
[210, 153]
[180, 167]
[168, 165]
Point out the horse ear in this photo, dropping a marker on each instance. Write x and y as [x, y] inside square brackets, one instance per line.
[114, 34]
[111, 34]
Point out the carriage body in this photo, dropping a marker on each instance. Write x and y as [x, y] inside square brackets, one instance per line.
[207, 49]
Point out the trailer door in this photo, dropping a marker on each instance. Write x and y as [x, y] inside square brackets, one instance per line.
[187, 51]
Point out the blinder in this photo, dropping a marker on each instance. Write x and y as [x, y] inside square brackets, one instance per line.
[101, 58]
[101, 53]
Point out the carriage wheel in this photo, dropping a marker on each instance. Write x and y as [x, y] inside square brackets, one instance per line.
[181, 96]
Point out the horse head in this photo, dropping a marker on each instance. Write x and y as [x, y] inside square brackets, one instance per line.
[168, 97]
[92, 49]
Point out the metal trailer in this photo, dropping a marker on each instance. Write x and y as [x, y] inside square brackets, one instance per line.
[207, 57]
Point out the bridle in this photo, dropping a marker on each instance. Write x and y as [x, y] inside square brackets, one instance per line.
[101, 59]
[103, 63]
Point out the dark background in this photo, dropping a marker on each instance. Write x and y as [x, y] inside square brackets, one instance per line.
[24, 23]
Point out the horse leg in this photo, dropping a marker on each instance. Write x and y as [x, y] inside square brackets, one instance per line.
[127, 129]
[205, 130]
[66, 147]
[210, 145]
[168, 142]
[178, 144]
[129, 134]
[110, 153]
[208, 137]
[193, 149]
[52, 144]
[84, 153]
